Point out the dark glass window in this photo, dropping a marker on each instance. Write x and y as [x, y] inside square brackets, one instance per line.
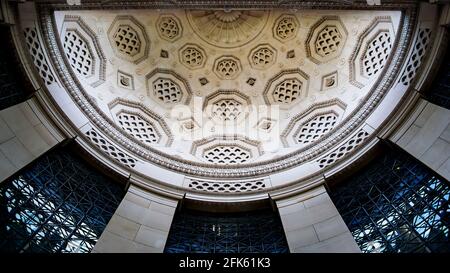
[244, 232]
[439, 92]
[12, 89]
[396, 204]
[58, 204]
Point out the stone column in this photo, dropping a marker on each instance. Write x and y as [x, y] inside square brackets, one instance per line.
[141, 223]
[426, 136]
[313, 224]
[25, 134]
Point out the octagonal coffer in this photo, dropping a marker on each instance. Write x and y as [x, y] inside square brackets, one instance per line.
[326, 39]
[169, 27]
[286, 27]
[262, 56]
[227, 67]
[226, 149]
[372, 51]
[83, 51]
[314, 123]
[168, 88]
[227, 106]
[141, 123]
[192, 56]
[128, 39]
[287, 88]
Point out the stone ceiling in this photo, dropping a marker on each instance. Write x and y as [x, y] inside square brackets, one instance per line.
[209, 103]
[226, 87]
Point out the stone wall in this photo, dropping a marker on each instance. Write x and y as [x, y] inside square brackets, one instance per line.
[25, 134]
[313, 224]
[141, 223]
[426, 136]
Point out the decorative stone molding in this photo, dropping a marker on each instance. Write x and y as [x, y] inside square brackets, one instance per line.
[128, 39]
[420, 49]
[192, 56]
[265, 124]
[141, 123]
[227, 187]
[227, 67]
[262, 56]
[326, 39]
[169, 27]
[285, 27]
[227, 28]
[227, 106]
[125, 80]
[167, 87]
[372, 51]
[329, 81]
[287, 88]
[280, 163]
[226, 149]
[343, 149]
[83, 51]
[313, 123]
[189, 124]
[37, 55]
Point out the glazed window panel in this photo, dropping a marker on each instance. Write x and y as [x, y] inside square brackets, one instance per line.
[396, 205]
[58, 204]
[243, 232]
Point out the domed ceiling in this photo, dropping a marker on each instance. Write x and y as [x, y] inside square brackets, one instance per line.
[223, 95]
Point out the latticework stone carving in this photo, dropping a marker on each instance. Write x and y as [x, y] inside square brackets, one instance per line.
[372, 51]
[227, 106]
[328, 41]
[110, 149]
[344, 149]
[169, 27]
[167, 90]
[227, 67]
[78, 53]
[287, 91]
[420, 47]
[262, 57]
[316, 128]
[286, 27]
[192, 56]
[37, 55]
[227, 109]
[126, 40]
[138, 127]
[227, 154]
[377, 53]
[227, 187]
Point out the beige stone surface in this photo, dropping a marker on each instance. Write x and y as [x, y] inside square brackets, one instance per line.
[24, 136]
[141, 222]
[313, 224]
[343, 243]
[6, 167]
[427, 136]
